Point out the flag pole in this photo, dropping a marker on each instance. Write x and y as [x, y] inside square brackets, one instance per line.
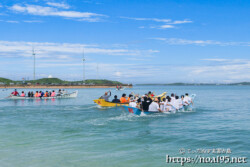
[34, 70]
[83, 65]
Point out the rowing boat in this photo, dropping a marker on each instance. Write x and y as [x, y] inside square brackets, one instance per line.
[120, 89]
[103, 103]
[63, 96]
[137, 111]
[163, 95]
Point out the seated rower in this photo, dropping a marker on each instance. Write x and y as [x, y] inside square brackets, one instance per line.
[46, 94]
[182, 101]
[15, 93]
[42, 93]
[129, 96]
[29, 94]
[59, 93]
[169, 105]
[106, 96]
[23, 94]
[133, 103]
[150, 94]
[123, 99]
[115, 100]
[172, 97]
[177, 103]
[154, 106]
[145, 103]
[64, 91]
[53, 94]
[187, 100]
[36, 94]
[163, 104]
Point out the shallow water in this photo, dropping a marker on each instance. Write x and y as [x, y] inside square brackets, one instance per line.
[75, 132]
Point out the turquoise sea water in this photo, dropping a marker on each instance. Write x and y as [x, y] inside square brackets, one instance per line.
[75, 132]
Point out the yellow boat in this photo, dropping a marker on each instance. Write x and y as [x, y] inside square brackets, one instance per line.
[103, 103]
[163, 95]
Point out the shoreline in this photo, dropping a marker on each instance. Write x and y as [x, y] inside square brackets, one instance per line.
[59, 87]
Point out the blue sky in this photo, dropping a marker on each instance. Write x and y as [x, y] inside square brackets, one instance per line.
[139, 41]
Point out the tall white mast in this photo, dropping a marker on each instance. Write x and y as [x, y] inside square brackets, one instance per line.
[83, 65]
[34, 56]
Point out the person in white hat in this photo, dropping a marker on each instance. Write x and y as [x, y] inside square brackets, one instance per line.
[132, 102]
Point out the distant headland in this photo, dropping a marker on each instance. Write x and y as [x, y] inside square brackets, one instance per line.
[58, 83]
[196, 84]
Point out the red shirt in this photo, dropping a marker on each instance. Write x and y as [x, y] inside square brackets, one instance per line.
[15, 93]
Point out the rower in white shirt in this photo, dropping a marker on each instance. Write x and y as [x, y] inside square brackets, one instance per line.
[187, 100]
[182, 101]
[154, 106]
[163, 104]
[132, 103]
[177, 103]
[169, 106]
[172, 97]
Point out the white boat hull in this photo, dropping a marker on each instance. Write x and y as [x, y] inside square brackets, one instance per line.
[120, 89]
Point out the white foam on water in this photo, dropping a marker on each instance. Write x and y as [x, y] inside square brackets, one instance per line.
[166, 112]
[97, 122]
[143, 114]
[123, 117]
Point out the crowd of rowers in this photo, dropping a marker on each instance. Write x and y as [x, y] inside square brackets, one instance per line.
[39, 93]
[149, 102]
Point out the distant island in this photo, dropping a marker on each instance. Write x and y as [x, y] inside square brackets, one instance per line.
[58, 83]
[195, 84]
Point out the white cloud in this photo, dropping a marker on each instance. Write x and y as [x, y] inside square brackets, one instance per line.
[59, 5]
[48, 49]
[32, 21]
[63, 60]
[179, 41]
[231, 69]
[181, 22]
[166, 26]
[50, 11]
[216, 60]
[147, 19]
[167, 22]
[118, 74]
[25, 21]
[12, 21]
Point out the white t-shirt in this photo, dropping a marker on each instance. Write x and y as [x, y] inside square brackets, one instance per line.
[172, 99]
[176, 104]
[163, 106]
[132, 104]
[153, 107]
[169, 108]
[187, 99]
